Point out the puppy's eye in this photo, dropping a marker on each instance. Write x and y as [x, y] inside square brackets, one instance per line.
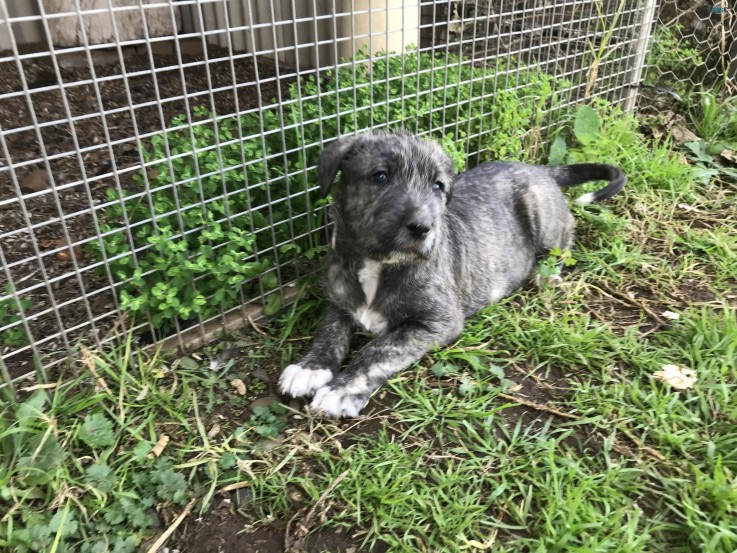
[438, 186]
[381, 177]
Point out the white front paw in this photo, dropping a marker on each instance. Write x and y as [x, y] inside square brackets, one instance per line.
[297, 381]
[335, 402]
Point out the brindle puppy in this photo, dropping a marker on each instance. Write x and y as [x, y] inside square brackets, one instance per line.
[416, 250]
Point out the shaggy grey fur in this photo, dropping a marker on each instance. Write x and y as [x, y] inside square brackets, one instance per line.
[416, 250]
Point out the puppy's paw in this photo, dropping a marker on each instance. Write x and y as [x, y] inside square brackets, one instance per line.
[337, 403]
[297, 381]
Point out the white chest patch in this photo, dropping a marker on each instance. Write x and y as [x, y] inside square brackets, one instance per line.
[369, 319]
[368, 276]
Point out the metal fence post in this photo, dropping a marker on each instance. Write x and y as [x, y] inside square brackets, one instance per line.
[644, 28]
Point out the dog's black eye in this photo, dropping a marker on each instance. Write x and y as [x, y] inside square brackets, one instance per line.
[381, 177]
[438, 186]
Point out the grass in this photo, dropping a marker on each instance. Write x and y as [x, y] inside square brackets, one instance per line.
[542, 429]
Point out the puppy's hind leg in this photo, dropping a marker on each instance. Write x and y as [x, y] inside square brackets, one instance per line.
[379, 360]
[328, 349]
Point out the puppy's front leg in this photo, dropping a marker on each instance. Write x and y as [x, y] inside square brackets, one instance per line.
[371, 367]
[323, 360]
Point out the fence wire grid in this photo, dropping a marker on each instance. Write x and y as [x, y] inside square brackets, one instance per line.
[157, 157]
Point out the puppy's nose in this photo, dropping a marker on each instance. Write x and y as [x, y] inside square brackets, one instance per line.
[419, 226]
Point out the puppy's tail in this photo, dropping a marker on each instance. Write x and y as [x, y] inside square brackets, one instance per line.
[571, 175]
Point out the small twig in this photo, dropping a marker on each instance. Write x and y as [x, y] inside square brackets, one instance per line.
[256, 327]
[304, 526]
[613, 294]
[169, 531]
[158, 449]
[290, 546]
[654, 453]
[39, 387]
[642, 447]
[90, 363]
[24, 278]
[331, 487]
[236, 486]
[540, 407]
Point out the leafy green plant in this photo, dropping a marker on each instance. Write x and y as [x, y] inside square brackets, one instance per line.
[268, 421]
[608, 20]
[671, 58]
[603, 133]
[213, 214]
[10, 313]
[439, 96]
[196, 241]
[38, 465]
[77, 470]
[552, 264]
[715, 120]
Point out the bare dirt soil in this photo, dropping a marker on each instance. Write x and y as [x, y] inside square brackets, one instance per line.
[89, 157]
[222, 532]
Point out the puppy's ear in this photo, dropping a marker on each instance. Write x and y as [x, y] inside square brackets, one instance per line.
[452, 171]
[329, 163]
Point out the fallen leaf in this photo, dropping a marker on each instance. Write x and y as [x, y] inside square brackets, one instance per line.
[729, 155]
[680, 378]
[681, 135]
[158, 449]
[239, 386]
[143, 393]
[214, 431]
[236, 486]
[187, 363]
[677, 127]
[70, 250]
[686, 207]
[36, 181]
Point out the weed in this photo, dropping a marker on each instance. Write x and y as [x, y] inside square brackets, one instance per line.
[672, 58]
[598, 53]
[607, 135]
[268, 420]
[15, 336]
[715, 120]
[77, 471]
[557, 259]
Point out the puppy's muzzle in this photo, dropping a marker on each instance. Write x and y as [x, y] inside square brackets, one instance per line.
[419, 223]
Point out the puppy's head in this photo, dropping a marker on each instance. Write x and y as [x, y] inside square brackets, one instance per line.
[392, 194]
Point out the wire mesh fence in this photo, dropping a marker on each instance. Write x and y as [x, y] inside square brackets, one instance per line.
[157, 157]
[694, 46]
